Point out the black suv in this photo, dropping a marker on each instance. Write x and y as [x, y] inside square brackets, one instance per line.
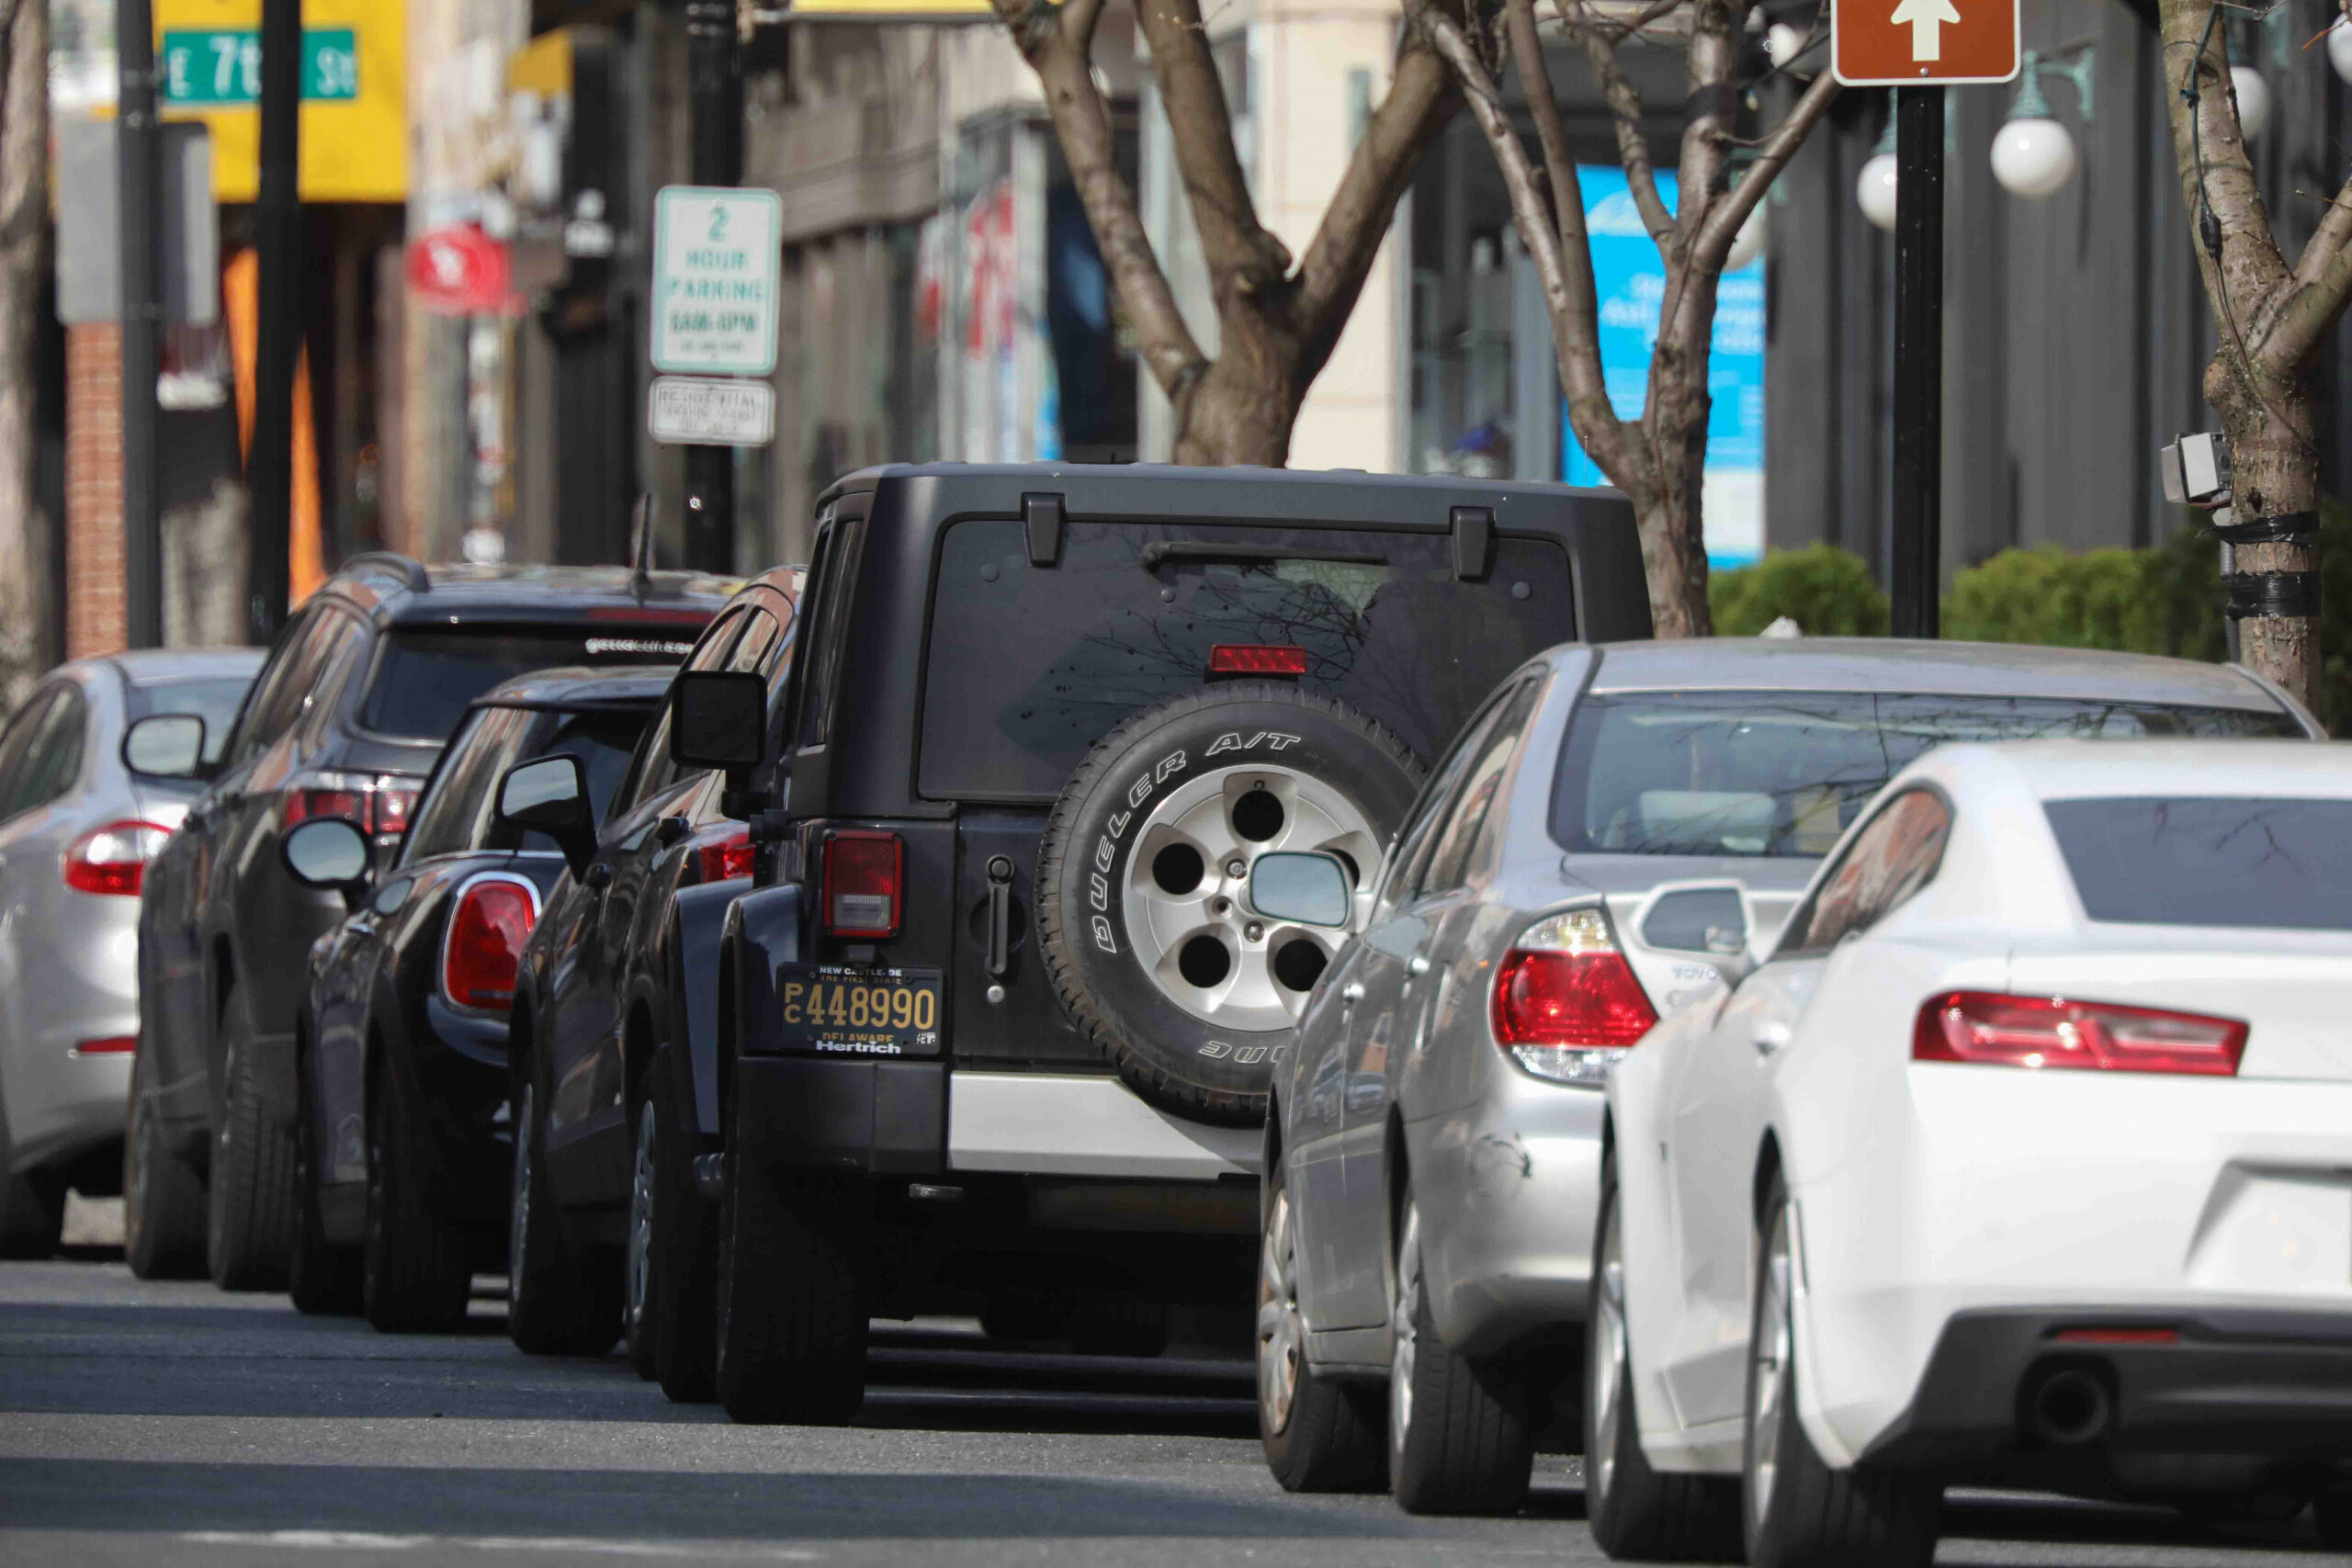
[996, 1024]
[401, 1144]
[360, 692]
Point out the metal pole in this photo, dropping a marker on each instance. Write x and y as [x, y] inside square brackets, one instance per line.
[715, 89]
[1918, 360]
[277, 237]
[140, 220]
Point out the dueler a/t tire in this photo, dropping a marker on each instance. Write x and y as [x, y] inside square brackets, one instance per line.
[1166, 1052]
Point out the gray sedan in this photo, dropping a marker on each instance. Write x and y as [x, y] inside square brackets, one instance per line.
[1614, 822]
[77, 828]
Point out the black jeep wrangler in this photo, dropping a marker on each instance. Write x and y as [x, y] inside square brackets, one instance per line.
[995, 1024]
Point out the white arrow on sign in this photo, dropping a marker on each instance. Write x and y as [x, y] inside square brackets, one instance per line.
[1927, 18]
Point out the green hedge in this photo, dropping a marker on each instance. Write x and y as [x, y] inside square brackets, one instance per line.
[2158, 601]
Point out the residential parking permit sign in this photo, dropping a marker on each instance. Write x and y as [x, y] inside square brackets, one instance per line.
[1901, 43]
[715, 411]
[717, 252]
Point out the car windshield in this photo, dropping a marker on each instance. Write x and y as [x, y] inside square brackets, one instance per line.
[212, 698]
[426, 676]
[1784, 774]
[2276, 864]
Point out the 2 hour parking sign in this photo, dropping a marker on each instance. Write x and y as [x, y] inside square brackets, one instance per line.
[717, 252]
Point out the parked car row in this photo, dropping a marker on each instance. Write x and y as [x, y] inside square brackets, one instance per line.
[1084, 892]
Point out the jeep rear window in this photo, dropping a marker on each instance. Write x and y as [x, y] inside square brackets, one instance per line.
[1028, 667]
[425, 676]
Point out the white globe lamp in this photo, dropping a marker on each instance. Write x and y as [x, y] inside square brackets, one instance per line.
[2033, 153]
[2254, 98]
[2339, 47]
[1781, 42]
[1874, 191]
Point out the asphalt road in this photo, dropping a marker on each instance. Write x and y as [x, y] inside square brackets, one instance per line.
[171, 1423]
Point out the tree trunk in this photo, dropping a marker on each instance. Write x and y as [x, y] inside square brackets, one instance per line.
[2274, 459]
[24, 566]
[1242, 407]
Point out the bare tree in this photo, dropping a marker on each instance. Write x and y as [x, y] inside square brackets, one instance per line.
[1658, 458]
[1278, 317]
[2273, 320]
[24, 261]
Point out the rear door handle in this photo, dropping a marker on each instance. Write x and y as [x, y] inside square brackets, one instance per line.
[1352, 992]
[1000, 916]
[1418, 965]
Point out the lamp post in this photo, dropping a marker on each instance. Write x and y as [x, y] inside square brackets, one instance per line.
[2033, 153]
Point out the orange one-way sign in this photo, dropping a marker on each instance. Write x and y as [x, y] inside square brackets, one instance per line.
[1895, 43]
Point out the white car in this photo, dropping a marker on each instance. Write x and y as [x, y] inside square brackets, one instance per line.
[2024, 1159]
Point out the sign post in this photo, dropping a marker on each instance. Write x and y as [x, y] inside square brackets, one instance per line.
[717, 256]
[1917, 47]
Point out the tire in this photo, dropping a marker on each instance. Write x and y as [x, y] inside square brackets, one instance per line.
[414, 1275]
[1459, 1441]
[163, 1198]
[1319, 1434]
[322, 1279]
[251, 1213]
[1796, 1511]
[795, 1289]
[637, 1314]
[684, 1253]
[1146, 935]
[557, 1302]
[1637, 1513]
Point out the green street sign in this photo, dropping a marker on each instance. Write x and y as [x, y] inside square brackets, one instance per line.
[220, 67]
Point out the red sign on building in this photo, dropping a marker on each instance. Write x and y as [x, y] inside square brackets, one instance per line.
[1897, 43]
[458, 271]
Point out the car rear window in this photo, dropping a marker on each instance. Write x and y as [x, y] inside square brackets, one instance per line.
[213, 699]
[1784, 774]
[425, 676]
[2268, 864]
[1028, 667]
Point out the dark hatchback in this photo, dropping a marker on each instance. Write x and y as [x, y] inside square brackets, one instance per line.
[400, 1051]
[359, 693]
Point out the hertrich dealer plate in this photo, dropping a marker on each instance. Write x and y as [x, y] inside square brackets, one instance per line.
[847, 1011]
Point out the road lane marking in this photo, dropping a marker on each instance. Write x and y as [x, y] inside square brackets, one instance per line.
[369, 1541]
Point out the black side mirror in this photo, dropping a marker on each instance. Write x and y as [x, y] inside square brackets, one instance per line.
[166, 746]
[330, 854]
[550, 796]
[719, 718]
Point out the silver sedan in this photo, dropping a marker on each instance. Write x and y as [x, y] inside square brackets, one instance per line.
[77, 828]
[1614, 822]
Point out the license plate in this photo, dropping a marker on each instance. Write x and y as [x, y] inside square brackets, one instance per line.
[839, 1010]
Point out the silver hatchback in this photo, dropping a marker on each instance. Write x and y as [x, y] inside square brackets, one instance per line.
[77, 828]
[1615, 824]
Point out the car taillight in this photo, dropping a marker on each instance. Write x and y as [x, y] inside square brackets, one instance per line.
[113, 858]
[1567, 1005]
[864, 870]
[1993, 1029]
[107, 1046]
[1256, 659]
[724, 855]
[486, 941]
[378, 805]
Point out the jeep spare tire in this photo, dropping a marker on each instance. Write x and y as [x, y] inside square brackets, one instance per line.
[1143, 913]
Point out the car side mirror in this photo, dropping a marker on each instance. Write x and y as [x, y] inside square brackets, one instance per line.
[1303, 889]
[330, 854]
[549, 795]
[166, 746]
[719, 718]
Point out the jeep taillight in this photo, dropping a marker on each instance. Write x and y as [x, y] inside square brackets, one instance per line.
[484, 945]
[864, 872]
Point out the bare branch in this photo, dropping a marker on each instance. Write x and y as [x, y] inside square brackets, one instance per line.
[1082, 122]
[1078, 20]
[2306, 314]
[1625, 109]
[1714, 240]
[1420, 98]
[2332, 236]
[1551, 134]
[1243, 256]
[1711, 114]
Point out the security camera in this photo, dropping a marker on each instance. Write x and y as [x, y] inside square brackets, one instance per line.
[2197, 470]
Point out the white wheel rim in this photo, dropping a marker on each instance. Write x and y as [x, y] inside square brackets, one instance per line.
[640, 1219]
[518, 1222]
[1608, 1375]
[1768, 1374]
[1164, 922]
[1281, 1332]
[1403, 1346]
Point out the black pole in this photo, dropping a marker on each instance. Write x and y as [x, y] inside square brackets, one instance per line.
[715, 89]
[1918, 360]
[139, 217]
[277, 237]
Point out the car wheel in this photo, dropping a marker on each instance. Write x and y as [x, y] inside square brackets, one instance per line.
[1319, 1434]
[251, 1210]
[415, 1275]
[1458, 1437]
[162, 1197]
[682, 1252]
[1636, 1512]
[637, 1316]
[1796, 1510]
[793, 1294]
[556, 1303]
[322, 1278]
